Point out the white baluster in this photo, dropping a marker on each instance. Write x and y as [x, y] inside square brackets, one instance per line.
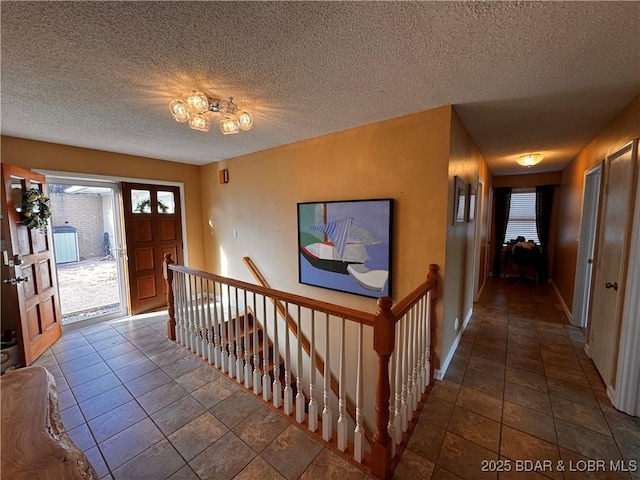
[257, 386]
[405, 369]
[288, 391]
[266, 388]
[398, 354]
[204, 331]
[277, 386]
[327, 416]
[299, 395]
[211, 346]
[179, 307]
[224, 358]
[230, 335]
[313, 405]
[427, 365]
[423, 343]
[409, 373]
[414, 359]
[247, 353]
[192, 317]
[239, 354]
[342, 392]
[358, 434]
[391, 429]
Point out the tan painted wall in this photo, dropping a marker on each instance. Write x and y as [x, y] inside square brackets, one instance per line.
[465, 161]
[404, 158]
[624, 128]
[50, 156]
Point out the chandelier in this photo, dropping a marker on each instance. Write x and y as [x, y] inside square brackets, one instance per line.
[530, 159]
[197, 108]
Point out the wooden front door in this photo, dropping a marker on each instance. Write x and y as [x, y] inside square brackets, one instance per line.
[29, 280]
[153, 227]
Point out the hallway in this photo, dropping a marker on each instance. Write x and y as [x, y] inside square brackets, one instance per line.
[520, 387]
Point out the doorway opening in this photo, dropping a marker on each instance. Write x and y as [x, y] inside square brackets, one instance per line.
[586, 247]
[87, 241]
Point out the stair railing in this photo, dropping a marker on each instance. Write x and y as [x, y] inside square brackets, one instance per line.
[221, 320]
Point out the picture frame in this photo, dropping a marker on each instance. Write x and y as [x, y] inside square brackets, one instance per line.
[346, 245]
[471, 203]
[460, 201]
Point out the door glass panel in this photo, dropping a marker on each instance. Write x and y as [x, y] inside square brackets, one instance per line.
[141, 201]
[17, 189]
[86, 251]
[166, 202]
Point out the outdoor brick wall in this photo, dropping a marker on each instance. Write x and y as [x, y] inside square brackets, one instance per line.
[83, 211]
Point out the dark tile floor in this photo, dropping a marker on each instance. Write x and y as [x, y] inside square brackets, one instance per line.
[518, 388]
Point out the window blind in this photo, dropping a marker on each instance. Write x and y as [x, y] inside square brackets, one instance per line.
[522, 216]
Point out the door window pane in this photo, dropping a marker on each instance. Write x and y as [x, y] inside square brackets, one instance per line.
[140, 201]
[166, 202]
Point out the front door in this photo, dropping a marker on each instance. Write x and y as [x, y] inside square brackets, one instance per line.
[30, 280]
[153, 227]
[611, 270]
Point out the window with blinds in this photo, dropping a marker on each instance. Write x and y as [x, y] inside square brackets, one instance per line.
[522, 216]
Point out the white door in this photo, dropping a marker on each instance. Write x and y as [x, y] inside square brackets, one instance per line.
[586, 247]
[612, 252]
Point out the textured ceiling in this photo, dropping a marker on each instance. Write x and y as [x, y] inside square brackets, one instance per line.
[524, 76]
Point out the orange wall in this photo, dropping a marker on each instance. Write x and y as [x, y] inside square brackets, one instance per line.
[624, 128]
[466, 162]
[404, 158]
[63, 158]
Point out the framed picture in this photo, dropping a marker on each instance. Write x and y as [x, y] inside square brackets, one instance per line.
[471, 203]
[346, 245]
[460, 200]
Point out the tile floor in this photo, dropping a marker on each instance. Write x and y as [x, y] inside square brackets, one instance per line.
[519, 387]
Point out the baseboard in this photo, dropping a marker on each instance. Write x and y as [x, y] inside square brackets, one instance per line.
[440, 372]
[611, 393]
[587, 350]
[567, 312]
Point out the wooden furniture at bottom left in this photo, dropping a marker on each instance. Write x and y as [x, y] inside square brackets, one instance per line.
[34, 442]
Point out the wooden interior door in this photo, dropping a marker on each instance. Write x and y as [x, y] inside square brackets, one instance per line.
[30, 289]
[153, 227]
[611, 271]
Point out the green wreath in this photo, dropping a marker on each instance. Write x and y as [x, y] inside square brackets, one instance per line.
[35, 209]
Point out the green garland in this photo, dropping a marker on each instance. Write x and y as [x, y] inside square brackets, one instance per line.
[35, 209]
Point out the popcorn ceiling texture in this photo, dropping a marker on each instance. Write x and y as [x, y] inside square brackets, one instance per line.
[524, 76]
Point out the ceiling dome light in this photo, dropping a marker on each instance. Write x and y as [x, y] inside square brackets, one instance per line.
[199, 122]
[229, 126]
[198, 102]
[245, 120]
[179, 110]
[530, 159]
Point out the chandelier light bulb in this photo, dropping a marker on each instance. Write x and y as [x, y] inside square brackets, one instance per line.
[229, 126]
[199, 122]
[179, 110]
[198, 102]
[245, 121]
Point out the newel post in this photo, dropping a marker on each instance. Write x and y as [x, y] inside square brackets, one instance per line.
[168, 276]
[383, 343]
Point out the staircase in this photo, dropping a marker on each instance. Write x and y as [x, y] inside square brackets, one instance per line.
[254, 334]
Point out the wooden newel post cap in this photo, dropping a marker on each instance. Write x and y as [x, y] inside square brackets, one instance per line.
[168, 274]
[384, 328]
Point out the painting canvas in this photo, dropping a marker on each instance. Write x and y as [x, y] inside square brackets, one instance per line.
[346, 245]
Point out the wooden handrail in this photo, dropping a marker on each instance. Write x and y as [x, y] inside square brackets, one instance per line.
[383, 323]
[331, 309]
[431, 283]
[306, 345]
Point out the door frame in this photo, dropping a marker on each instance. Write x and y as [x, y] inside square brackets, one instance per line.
[593, 179]
[83, 177]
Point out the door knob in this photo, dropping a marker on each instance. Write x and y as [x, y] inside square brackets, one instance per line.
[613, 285]
[13, 281]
